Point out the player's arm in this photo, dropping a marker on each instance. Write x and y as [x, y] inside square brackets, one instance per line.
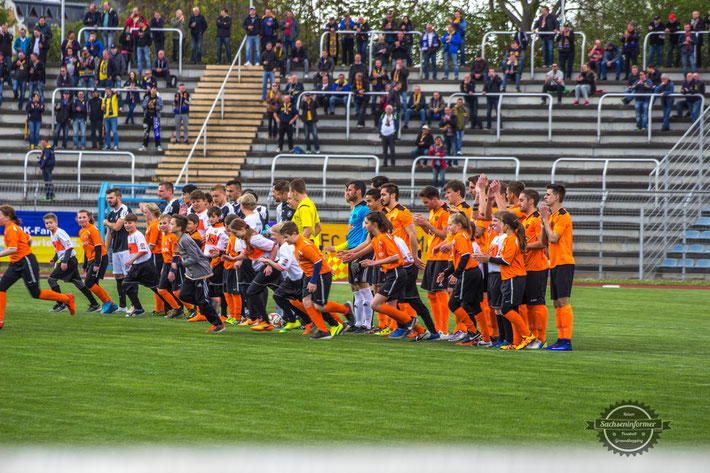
[551, 235]
[541, 240]
[360, 250]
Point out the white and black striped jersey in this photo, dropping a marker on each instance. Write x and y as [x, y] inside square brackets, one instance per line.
[119, 238]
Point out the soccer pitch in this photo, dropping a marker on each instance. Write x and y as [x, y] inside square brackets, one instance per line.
[100, 380]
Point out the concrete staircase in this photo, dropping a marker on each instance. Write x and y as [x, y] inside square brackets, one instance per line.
[229, 138]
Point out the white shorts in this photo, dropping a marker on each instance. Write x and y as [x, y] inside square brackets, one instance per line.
[119, 262]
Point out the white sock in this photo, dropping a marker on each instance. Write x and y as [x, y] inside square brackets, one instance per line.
[357, 306]
[366, 309]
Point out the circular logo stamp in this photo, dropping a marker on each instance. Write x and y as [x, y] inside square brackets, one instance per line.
[628, 427]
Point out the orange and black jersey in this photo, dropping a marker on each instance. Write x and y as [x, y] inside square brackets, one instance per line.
[518, 213]
[232, 250]
[535, 259]
[168, 246]
[15, 237]
[152, 237]
[465, 208]
[561, 252]
[511, 254]
[90, 238]
[384, 246]
[401, 218]
[307, 255]
[439, 219]
[462, 246]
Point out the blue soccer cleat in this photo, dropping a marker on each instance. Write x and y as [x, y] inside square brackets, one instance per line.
[561, 345]
[399, 333]
[554, 345]
[109, 307]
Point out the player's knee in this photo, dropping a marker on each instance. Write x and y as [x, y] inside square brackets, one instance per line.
[453, 304]
[507, 308]
[319, 308]
[471, 309]
[375, 304]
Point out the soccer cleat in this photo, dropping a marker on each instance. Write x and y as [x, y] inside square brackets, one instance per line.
[534, 345]
[223, 318]
[565, 344]
[252, 322]
[291, 326]
[457, 336]
[216, 328]
[176, 314]
[443, 335]
[509, 346]
[423, 336]
[526, 341]
[191, 313]
[122, 309]
[58, 307]
[321, 335]
[231, 321]
[385, 332]
[410, 326]
[245, 321]
[262, 327]
[93, 308]
[109, 308]
[2, 323]
[197, 318]
[470, 339]
[484, 344]
[502, 344]
[337, 330]
[374, 331]
[136, 313]
[158, 313]
[434, 336]
[399, 333]
[350, 314]
[70, 305]
[554, 345]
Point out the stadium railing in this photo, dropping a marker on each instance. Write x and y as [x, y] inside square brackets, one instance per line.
[373, 34]
[56, 92]
[632, 95]
[651, 33]
[532, 45]
[29, 195]
[81, 154]
[348, 102]
[326, 158]
[118, 28]
[510, 96]
[587, 162]
[220, 96]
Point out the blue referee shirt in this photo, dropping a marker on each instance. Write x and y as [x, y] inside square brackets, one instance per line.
[357, 233]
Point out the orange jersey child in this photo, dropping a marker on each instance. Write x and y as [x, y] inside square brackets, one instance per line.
[95, 259]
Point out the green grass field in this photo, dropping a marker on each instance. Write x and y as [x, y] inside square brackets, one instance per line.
[106, 380]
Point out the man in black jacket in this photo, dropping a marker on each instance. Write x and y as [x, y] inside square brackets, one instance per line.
[547, 23]
[20, 76]
[198, 26]
[45, 34]
[6, 46]
[4, 74]
[39, 45]
[92, 19]
[96, 116]
[270, 65]
[697, 23]
[424, 142]
[357, 66]
[158, 36]
[109, 18]
[79, 110]
[37, 77]
[492, 84]
[62, 114]
[161, 67]
[299, 58]
[672, 29]
[326, 66]
[224, 30]
[656, 41]
[253, 26]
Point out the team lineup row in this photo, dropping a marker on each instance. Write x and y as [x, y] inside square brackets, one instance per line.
[487, 263]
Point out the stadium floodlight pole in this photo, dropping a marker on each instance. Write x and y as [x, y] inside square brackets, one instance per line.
[62, 10]
[562, 10]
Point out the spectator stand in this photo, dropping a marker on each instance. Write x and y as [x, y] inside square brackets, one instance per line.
[88, 90]
[650, 108]
[651, 33]
[500, 102]
[348, 102]
[588, 163]
[373, 34]
[80, 154]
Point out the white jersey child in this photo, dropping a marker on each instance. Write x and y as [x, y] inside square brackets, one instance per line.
[494, 251]
[216, 238]
[204, 223]
[62, 244]
[288, 263]
[137, 244]
[254, 221]
[261, 245]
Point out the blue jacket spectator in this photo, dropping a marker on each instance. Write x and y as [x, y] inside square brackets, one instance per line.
[451, 42]
[46, 159]
[22, 43]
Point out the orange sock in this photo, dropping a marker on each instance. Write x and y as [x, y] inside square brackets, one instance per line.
[418, 329]
[443, 299]
[559, 322]
[335, 317]
[407, 309]
[493, 320]
[238, 306]
[568, 321]
[523, 311]
[518, 323]
[382, 320]
[53, 296]
[297, 304]
[159, 304]
[100, 292]
[396, 314]
[464, 320]
[316, 317]
[435, 312]
[517, 338]
[392, 324]
[167, 295]
[3, 304]
[335, 307]
[542, 316]
[483, 325]
[230, 304]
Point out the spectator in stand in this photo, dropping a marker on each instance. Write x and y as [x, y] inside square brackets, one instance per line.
[324, 99]
[144, 38]
[340, 85]
[22, 43]
[612, 58]
[331, 39]
[109, 105]
[109, 19]
[586, 85]
[291, 28]
[642, 86]
[479, 68]
[94, 46]
[435, 109]
[406, 27]
[270, 65]
[565, 50]
[379, 104]
[70, 62]
[286, 117]
[424, 141]
[657, 30]
[653, 74]
[629, 48]
[152, 106]
[45, 32]
[86, 66]
[595, 55]
[37, 76]
[92, 19]
[132, 98]
[398, 50]
[390, 25]
[158, 36]
[224, 32]
[273, 102]
[521, 37]
[178, 22]
[105, 72]
[362, 27]
[198, 26]
[357, 66]
[401, 74]
[381, 50]
[133, 22]
[6, 46]
[360, 87]
[448, 128]
[253, 26]
[181, 110]
[633, 78]
[35, 110]
[309, 115]
[554, 82]
[348, 39]
[70, 42]
[459, 25]
[673, 28]
[665, 88]
[459, 111]
[125, 40]
[299, 58]
[280, 57]
[79, 110]
[46, 166]
[96, 117]
[430, 46]
[388, 133]
[416, 105]
[394, 98]
[119, 65]
[20, 76]
[378, 82]
[697, 23]
[161, 68]
[148, 81]
[691, 86]
[512, 69]
[686, 45]
[4, 74]
[451, 41]
[438, 165]
[326, 66]
[468, 87]
[37, 45]
[546, 26]
[269, 29]
[293, 88]
[491, 85]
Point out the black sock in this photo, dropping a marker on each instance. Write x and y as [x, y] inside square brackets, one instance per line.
[121, 293]
[329, 319]
[88, 294]
[132, 294]
[54, 285]
[423, 313]
[224, 307]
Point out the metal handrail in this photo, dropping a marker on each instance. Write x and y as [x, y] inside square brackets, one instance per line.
[203, 130]
[56, 91]
[81, 153]
[322, 36]
[650, 107]
[500, 95]
[350, 95]
[532, 48]
[377, 33]
[466, 159]
[325, 157]
[118, 28]
[651, 33]
[606, 166]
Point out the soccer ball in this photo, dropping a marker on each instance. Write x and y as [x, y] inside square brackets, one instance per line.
[275, 320]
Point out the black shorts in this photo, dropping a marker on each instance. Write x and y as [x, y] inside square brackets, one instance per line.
[320, 295]
[70, 274]
[513, 290]
[356, 273]
[157, 259]
[164, 281]
[142, 273]
[246, 275]
[215, 281]
[230, 281]
[495, 298]
[485, 277]
[561, 279]
[469, 287]
[290, 289]
[92, 277]
[26, 269]
[395, 284]
[431, 272]
[379, 277]
[179, 278]
[535, 288]
[411, 291]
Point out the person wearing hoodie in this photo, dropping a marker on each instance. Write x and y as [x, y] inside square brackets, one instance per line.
[629, 48]
[612, 58]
